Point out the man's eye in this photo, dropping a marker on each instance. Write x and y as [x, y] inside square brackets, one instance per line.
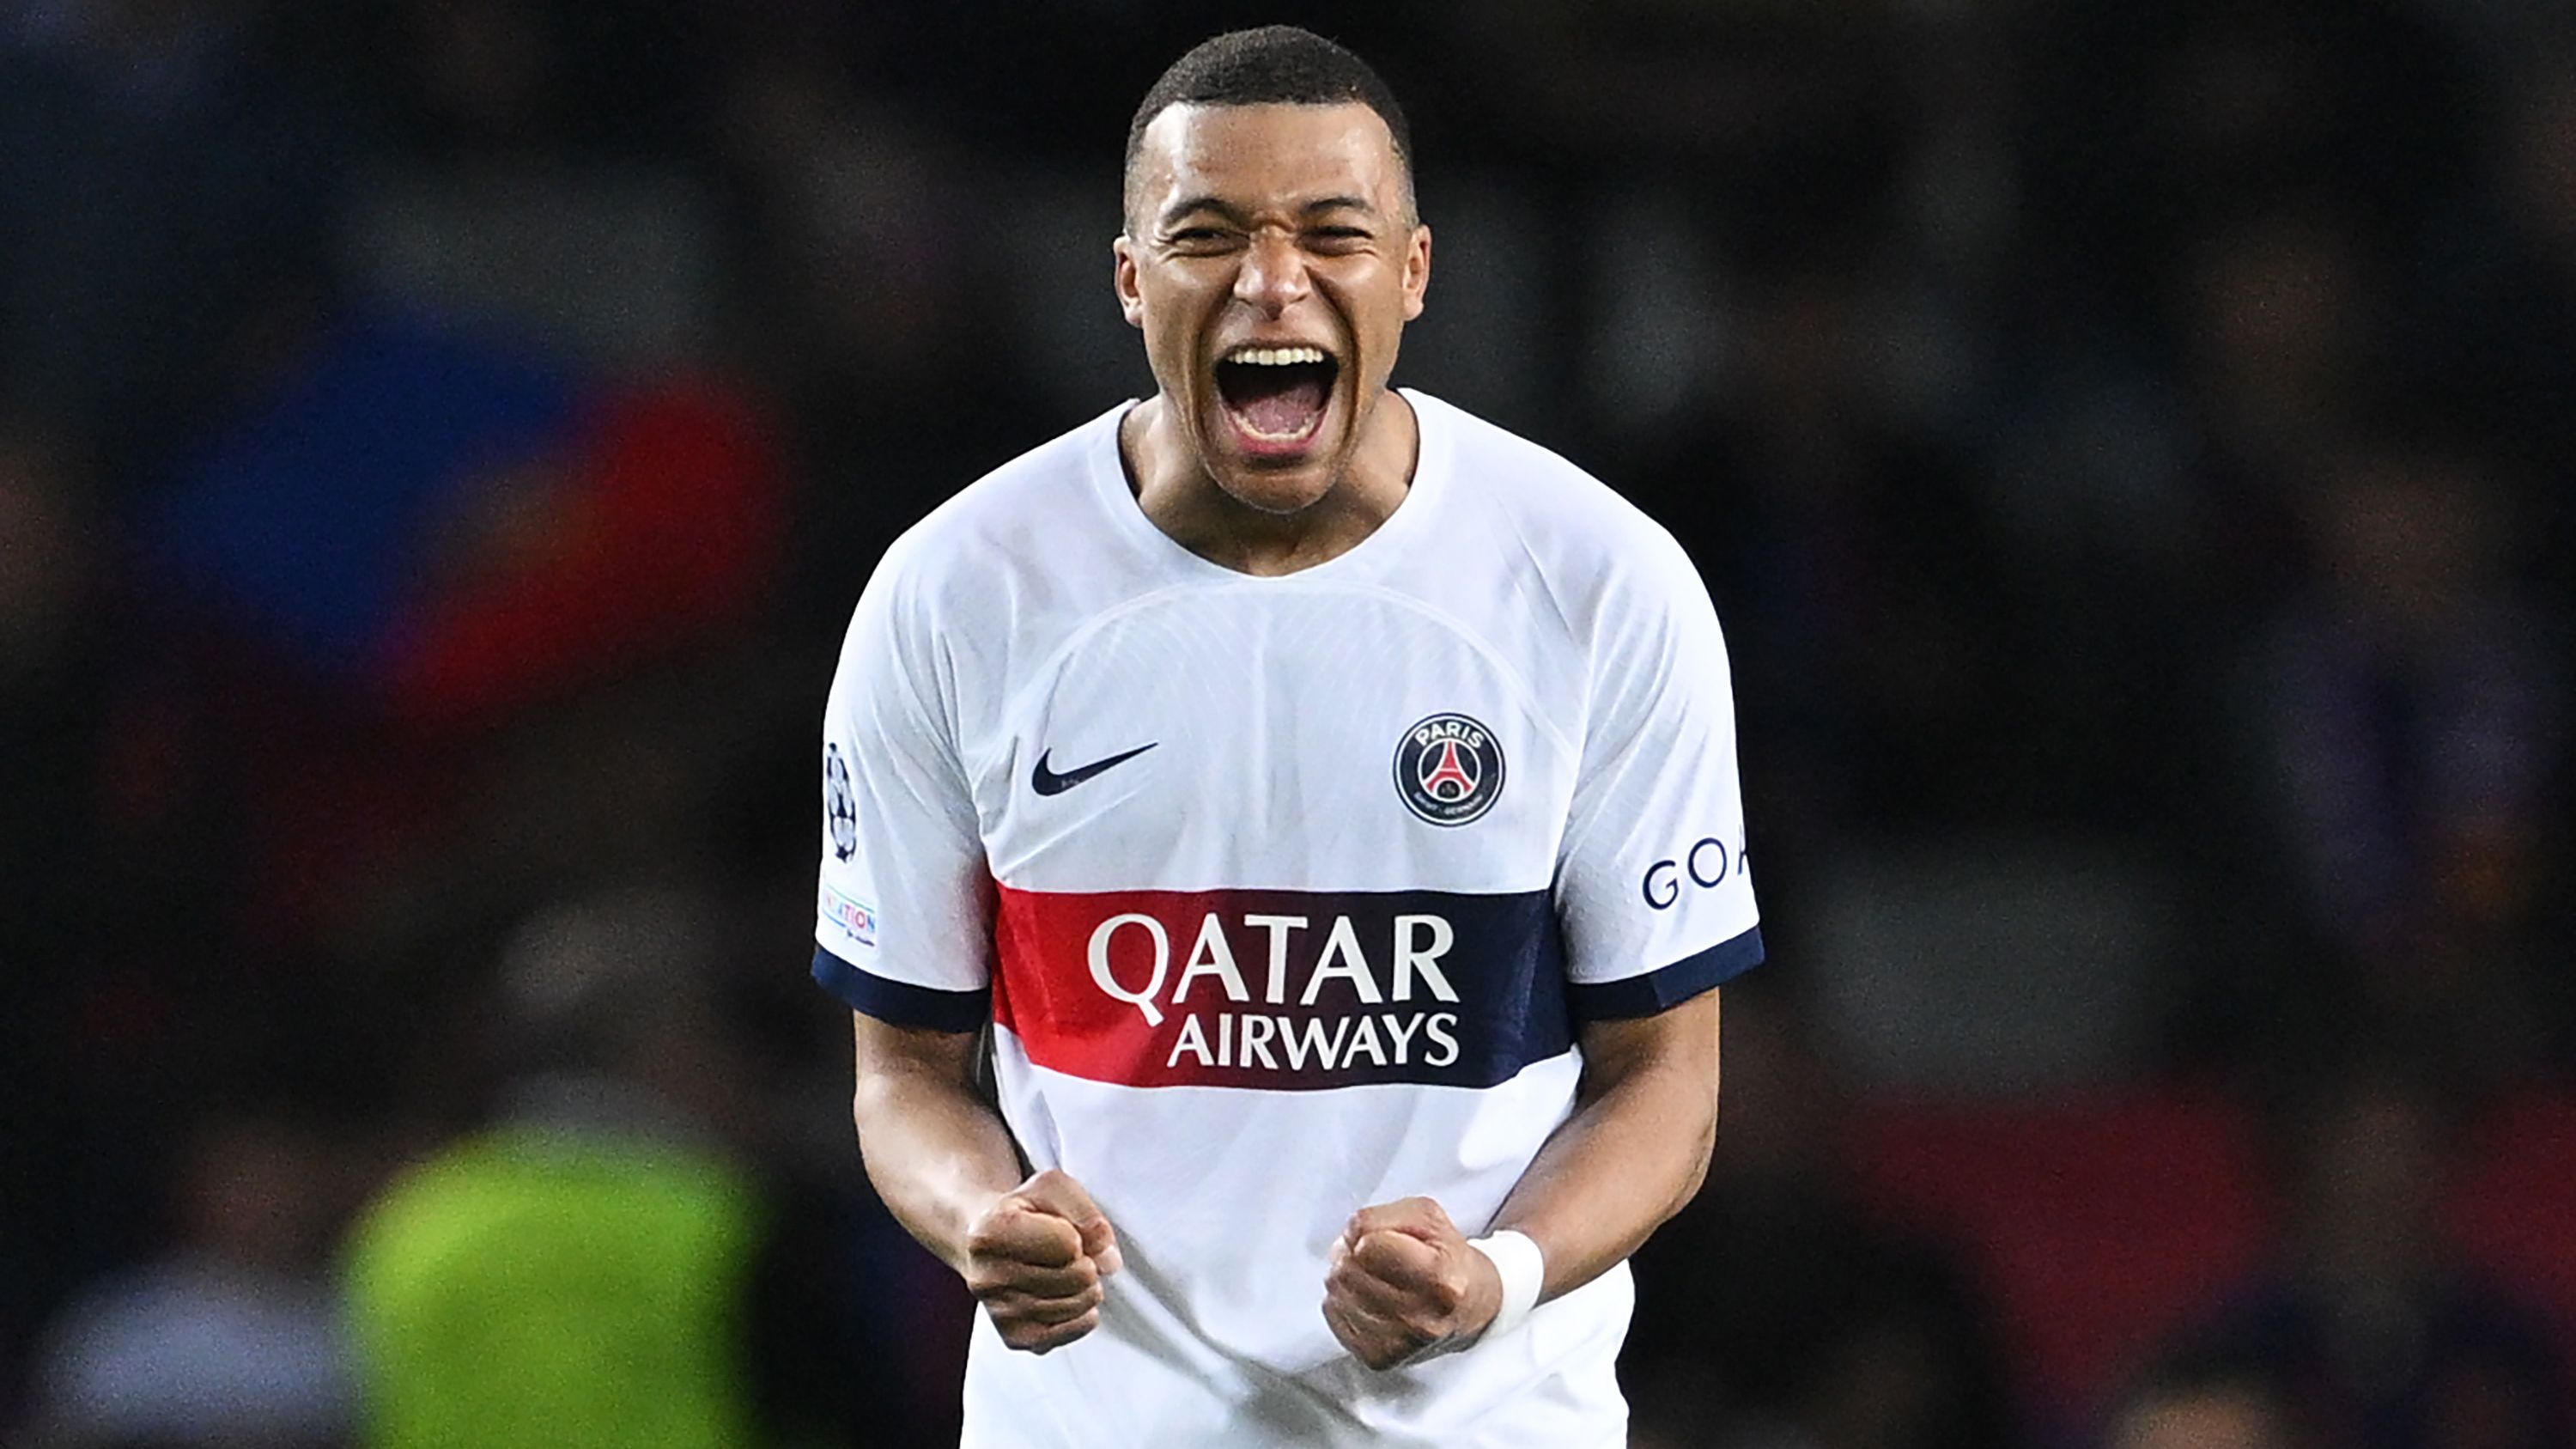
[1337, 238]
[1196, 236]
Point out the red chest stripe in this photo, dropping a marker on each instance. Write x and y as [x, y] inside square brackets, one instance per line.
[1281, 990]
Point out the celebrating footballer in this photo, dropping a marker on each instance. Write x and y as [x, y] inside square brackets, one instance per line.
[1321, 804]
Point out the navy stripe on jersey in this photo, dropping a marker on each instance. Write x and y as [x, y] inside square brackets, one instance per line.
[1669, 986]
[900, 1002]
[1282, 990]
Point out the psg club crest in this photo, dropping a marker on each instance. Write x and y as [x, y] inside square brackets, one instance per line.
[838, 806]
[1448, 769]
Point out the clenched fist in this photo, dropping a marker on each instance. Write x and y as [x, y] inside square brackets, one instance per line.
[1036, 1260]
[1404, 1285]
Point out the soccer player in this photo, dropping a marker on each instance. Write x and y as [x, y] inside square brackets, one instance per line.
[1328, 800]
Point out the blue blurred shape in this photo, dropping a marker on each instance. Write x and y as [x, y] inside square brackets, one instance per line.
[310, 518]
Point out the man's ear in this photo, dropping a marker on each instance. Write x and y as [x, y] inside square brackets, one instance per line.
[1131, 302]
[1417, 270]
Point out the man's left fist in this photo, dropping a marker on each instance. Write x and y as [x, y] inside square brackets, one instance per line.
[1404, 1285]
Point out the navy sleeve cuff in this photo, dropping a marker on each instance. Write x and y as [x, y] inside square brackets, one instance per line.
[899, 1002]
[1669, 986]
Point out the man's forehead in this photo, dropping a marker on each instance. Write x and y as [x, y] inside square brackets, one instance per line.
[1342, 148]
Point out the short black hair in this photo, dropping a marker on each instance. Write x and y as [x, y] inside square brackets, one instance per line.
[1272, 65]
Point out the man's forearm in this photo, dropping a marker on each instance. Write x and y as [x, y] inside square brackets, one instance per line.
[937, 1153]
[1635, 1150]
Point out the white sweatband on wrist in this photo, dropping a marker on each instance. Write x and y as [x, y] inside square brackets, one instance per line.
[1522, 1268]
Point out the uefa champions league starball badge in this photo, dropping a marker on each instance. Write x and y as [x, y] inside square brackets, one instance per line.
[838, 806]
[1448, 769]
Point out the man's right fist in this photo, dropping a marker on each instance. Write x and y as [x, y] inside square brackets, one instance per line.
[1036, 1259]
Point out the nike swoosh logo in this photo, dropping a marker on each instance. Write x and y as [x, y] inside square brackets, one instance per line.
[1048, 782]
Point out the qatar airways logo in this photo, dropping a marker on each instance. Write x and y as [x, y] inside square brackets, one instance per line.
[1280, 990]
[1226, 1027]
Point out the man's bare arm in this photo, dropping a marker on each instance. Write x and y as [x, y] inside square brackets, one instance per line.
[1404, 1280]
[1033, 1252]
[1634, 1152]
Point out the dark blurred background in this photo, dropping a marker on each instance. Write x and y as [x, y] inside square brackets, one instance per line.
[2130, 446]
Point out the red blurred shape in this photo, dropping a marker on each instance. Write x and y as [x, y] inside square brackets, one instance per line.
[2511, 1207]
[661, 524]
[2099, 1225]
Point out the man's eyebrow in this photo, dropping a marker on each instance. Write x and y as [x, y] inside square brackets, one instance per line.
[1317, 207]
[1189, 204]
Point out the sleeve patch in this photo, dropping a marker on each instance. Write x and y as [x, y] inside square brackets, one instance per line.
[850, 914]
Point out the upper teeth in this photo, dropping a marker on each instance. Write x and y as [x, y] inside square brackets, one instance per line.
[1276, 356]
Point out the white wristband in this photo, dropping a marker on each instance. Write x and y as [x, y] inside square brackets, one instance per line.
[1523, 1269]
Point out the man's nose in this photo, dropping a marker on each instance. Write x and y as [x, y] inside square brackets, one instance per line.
[1273, 276]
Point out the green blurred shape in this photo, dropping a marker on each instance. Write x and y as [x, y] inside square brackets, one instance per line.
[535, 1288]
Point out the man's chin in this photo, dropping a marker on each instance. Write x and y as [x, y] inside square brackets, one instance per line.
[1281, 492]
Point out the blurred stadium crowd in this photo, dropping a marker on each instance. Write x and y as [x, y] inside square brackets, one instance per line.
[2131, 447]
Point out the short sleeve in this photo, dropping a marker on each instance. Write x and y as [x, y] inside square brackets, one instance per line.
[905, 899]
[1654, 892]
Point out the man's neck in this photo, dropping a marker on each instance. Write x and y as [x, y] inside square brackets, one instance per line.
[1173, 488]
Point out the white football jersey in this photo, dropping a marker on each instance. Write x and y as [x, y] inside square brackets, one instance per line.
[1284, 896]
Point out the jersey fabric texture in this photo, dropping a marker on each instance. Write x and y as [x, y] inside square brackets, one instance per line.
[1284, 896]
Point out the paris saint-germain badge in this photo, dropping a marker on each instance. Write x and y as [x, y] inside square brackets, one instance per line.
[1448, 769]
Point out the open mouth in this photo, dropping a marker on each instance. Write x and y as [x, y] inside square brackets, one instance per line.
[1276, 395]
